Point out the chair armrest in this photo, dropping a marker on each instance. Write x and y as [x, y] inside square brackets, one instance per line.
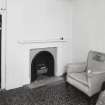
[95, 80]
[91, 73]
[76, 67]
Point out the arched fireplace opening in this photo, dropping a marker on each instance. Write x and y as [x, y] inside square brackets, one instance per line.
[42, 65]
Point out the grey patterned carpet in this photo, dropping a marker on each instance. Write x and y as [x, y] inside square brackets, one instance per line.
[53, 94]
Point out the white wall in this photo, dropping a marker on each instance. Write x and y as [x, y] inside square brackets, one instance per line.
[97, 25]
[34, 20]
[80, 34]
[2, 4]
[88, 27]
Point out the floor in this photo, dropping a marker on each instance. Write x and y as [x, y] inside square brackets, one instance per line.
[52, 94]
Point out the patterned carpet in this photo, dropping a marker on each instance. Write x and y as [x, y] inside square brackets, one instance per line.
[53, 94]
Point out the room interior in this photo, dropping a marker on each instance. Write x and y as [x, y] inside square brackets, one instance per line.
[80, 23]
[72, 27]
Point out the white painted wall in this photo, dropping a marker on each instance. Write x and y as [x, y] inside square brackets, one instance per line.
[80, 33]
[88, 27]
[34, 20]
[2, 4]
[97, 25]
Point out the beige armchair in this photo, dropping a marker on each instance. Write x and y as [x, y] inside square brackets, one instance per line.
[89, 76]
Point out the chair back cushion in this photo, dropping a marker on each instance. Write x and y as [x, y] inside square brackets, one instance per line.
[96, 61]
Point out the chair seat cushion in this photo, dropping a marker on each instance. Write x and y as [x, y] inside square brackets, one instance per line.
[80, 77]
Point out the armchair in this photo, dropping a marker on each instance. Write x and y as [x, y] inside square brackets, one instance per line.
[88, 76]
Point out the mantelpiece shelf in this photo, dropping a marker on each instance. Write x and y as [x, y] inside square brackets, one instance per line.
[41, 41]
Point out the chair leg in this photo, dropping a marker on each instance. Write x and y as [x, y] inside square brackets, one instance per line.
[67, 84]
[93, 99]
[89, 101]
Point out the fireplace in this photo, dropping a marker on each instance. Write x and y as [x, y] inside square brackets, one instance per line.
[43, 63]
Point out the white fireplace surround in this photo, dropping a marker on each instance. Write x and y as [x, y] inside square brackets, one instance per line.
[27, 46]
[51, 50]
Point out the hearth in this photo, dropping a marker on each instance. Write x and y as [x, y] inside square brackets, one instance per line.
[43, 63]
